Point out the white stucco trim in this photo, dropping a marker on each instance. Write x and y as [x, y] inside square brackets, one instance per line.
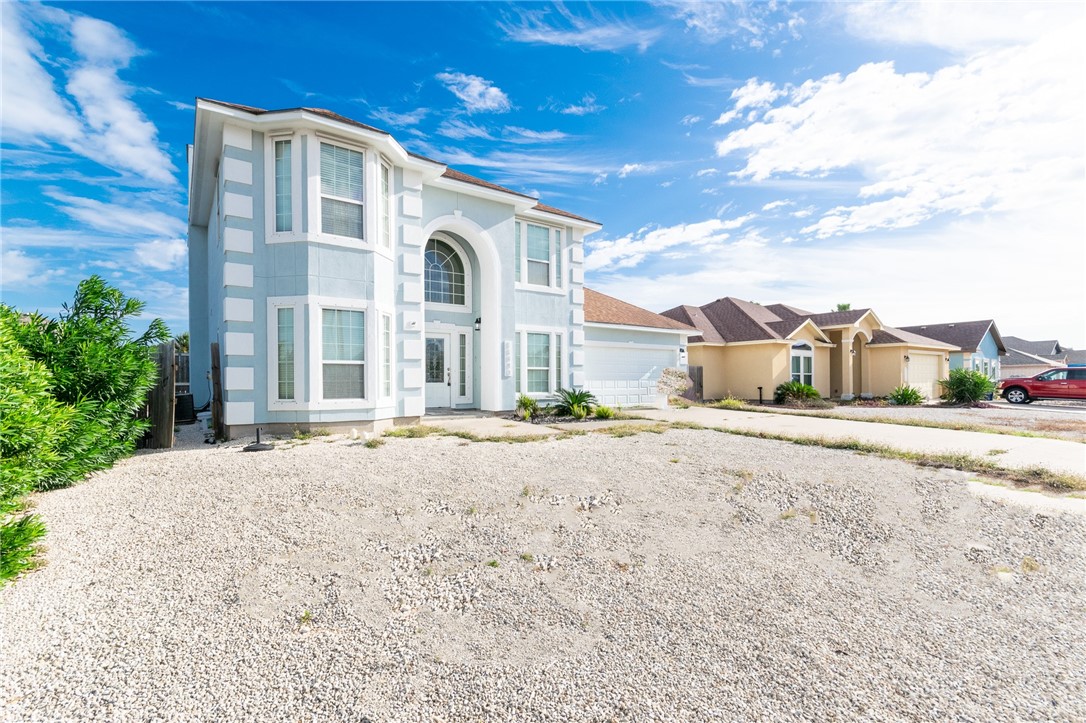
[297, 303]
[467, 307]
[490, 285]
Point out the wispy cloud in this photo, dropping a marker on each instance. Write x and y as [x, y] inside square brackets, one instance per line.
[162, 255]
[399, 120]
[753, 24]
[635, 169]
[558, 25]
[180, 105]
[689, 120]
[478, 94]
[130, 217]
[630, 250]
[586, 106]
[515, 134]
[459, 130]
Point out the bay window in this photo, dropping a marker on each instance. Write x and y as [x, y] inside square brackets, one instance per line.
[341, 191]
[343, 353]
[284, 217]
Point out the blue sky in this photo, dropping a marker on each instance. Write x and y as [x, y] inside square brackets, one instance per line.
[922, 159]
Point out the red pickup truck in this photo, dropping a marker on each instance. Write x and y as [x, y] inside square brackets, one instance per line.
[1066, 383]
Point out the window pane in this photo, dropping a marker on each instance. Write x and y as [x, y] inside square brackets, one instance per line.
[285, 345]
[517, 240]
[386, 355]
[386, 207]
[283, 219]
[343, 381]
[463, 365]
[341, 172]
[343, 335]
[539, 243]
[557, 258]
[539, 273]
[435, 361]
[558, 361]
[341, 218]
[538, 381]
[444, 280]
[795, 365]
[539, 352]
[807, 364]
[517, 354]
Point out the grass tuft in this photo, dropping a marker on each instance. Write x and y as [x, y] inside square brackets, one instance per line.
[373, 443]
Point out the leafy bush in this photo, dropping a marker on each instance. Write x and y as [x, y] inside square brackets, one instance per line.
[97, 368]
[728, 402]
[569, 398]
[795, 393]
[527, 407]
[966, 386]
[603, 412]
[578, 411]
[906, 396]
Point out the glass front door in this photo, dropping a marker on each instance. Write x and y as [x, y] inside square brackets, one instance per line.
[438, 371]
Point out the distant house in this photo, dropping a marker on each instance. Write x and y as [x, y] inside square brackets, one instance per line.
[1026, 358]
[746, 349]
[1022, 364]
[979, 346]
[1048, 347]
[345, 280]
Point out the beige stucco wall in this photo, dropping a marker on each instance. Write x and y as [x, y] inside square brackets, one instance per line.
[739, 370]
[887, 369]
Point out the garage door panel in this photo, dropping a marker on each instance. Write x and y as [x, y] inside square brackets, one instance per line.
[626, 376]
[923, 374]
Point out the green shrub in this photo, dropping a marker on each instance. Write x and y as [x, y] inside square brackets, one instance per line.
[98, 369]
[527, 407]
[795, 393]
[906, 396]
[603, 412]
[728, 402]
[965, 386]
[570, 398]
[18, 545]
[578, 411]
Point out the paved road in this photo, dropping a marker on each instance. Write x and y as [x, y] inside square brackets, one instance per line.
[1014, 451]
[1044, 405]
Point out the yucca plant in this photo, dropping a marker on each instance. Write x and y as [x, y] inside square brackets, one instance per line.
[966, 386]
[578, 411]
[906, 396]
[527, 407]
[569, 398]
[603, 412]
[794, 391]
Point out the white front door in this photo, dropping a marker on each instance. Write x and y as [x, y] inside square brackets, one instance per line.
[439, 370]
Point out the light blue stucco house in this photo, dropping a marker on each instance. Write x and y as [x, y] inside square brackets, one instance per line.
[978, 344]
[346, 280]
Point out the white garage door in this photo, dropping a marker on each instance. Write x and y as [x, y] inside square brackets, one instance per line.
[924, 373]
[622, 377]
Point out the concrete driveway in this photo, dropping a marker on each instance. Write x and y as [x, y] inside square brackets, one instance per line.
[1006, 450]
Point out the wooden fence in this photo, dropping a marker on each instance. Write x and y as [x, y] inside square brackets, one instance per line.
[160, 402]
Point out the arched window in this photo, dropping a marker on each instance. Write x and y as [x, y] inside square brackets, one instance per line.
[445, 281]
[803, 363]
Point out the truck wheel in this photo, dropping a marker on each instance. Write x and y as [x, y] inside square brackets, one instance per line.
[1016, 395]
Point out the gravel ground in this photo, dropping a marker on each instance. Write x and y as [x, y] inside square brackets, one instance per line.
[1031, 419]
[676, 576]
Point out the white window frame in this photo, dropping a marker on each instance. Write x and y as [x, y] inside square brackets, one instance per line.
[558, 262]
[317, 305]
[385, 206]
[467, 306]
[388, 341]
[296, 188]
[553, 382]
[297, 303]
[801, 353]
[369, 181]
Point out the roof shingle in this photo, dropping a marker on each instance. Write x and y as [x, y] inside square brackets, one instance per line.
[965, 335]
[603, 309]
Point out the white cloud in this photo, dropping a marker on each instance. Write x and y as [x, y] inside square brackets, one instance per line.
[689, 120]
[752, 95]
[99, 120]
[399, 120]
[18, 268]
[459, 130]
[600, 179]
[525, 135]
[726, 117]
[1001, 131]
[181, 106]
[124, 218]
[957, 26]
[635, 168]
[749, 23]
[588, 106]
[777, 204]
[632, 249]
[478, 94]
[706, 172]
[557, 25]
[162, 255]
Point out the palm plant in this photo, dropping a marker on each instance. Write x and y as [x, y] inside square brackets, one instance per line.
[570, 398]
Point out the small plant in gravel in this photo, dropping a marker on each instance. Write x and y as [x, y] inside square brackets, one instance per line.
[795, 393]
[674, 460]
[527, 407]
[604, 412]
[966, 386]
[415, 431]
[302, 434]
[527, 557]
[493, 563]
[996, 452]
[1029, 565]
[526, 492]
[906, 396]
[305, 618]
[788, 514]
[570, 398]
[578, 412]
[728, 402]
[373, 443]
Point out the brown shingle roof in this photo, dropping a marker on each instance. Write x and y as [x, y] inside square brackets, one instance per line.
[738, 320]
[449, 173]
[966, 335]
[784, 311]
[693, 316]
[603, 309]
[1050, 346]
[836, 318]
[891, 335]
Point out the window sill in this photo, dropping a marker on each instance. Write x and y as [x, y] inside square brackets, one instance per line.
[327, 240]
[552, 290]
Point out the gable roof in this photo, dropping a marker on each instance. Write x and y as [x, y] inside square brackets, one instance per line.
[730, 320]
[449, 173]
[892, 335]
[1018, 358]
[784, 311]
[603, 309]
[695, 317]
[966, 335]
[1049, 346]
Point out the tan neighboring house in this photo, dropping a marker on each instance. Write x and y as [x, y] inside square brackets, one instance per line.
[746, 349]
[1023, 364]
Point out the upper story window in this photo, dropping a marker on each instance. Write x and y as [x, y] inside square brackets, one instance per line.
[446, 280]
[537, 255]
[341, 191]
[284, 220]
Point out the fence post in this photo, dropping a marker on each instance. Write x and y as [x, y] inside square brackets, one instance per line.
[162, 400]
[217, 421]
